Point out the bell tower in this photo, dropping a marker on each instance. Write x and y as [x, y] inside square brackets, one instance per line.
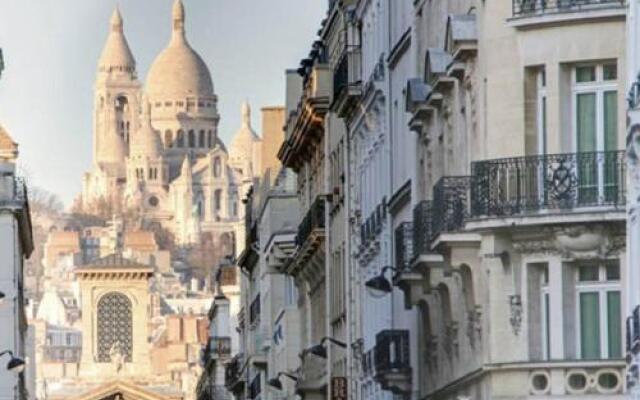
[117, 94]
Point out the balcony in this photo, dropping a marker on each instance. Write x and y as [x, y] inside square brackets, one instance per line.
[555, 185]
[305, 127]
[217, 348]
[392, 361]
[313, 223]
[528, 12]
[412, 282]
[234, 378]
[347, 81]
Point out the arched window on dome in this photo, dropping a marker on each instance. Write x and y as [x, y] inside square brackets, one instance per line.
[192, 139]
[201, 143]
[114, 327]
[168, 138]
[210, 139]
[180, 139]
[217, 167]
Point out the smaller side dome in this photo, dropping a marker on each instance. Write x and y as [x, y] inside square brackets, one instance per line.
[245, 137]
[146, 143]
[116, 55]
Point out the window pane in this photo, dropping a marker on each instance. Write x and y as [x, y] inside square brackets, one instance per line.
[586, 121]
[588, 273]
[610, 120]
[547, 326]
[586, 73]
[614, 325]
[610, 72]
[589, 325]
[613, 272]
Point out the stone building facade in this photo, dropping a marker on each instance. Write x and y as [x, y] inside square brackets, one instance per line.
[16, 244]
[468, 156]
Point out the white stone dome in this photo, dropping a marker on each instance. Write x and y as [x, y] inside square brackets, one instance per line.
[146, 142]
[243, 141]
[179, 71]
[116, 54]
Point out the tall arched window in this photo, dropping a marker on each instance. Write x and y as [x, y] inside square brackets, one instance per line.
[192, 138]
[201, 139]
[168, 138]
[115, 327]
[210, 139]
[217, 199]
[180, 138]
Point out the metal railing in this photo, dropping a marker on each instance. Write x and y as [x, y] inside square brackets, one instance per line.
[391, 354]
[233, 372]
[519, 185]
[422, 227]
[312, 221]
[404, 246]
[347, 72]
[450, 204]
[523, 8]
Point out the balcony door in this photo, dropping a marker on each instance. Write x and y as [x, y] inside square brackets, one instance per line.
[595, 109]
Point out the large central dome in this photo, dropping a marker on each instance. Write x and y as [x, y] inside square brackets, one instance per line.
[178, 71]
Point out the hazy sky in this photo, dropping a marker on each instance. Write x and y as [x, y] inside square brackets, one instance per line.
[51, 48]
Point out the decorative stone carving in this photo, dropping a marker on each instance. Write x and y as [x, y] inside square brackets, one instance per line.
[515, 309]
[451, 339]
[474, 324]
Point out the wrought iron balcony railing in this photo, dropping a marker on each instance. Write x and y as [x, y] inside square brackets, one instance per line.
[522, 8]
[312, 221]
[392, 351]
[404, 246]
[450, 204]
[521, 185]
[392, 360]
[254, 310]
[348, 73]
[233, 378]
[422, 227]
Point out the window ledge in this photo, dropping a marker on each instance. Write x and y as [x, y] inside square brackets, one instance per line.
[539, 20]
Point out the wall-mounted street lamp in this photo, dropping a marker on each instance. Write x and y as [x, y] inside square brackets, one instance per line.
[15, 364]
[2, 297]
[379, 286]
[276, 383]
[320, 350]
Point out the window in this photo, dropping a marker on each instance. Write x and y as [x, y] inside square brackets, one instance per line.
[545, 308]
[201, 139]
[217, 199]
[210, 138]
[168, 138]
[180, 139]
[599, 333]
[114, 327]
[217, 167]
[595, 110]
[192, 138]
[541, 83]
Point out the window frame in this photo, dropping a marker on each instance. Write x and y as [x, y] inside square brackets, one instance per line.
[602, 287]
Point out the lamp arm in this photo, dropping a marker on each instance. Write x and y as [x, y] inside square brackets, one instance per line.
[6, 352]
[288, 375]
[334, 341]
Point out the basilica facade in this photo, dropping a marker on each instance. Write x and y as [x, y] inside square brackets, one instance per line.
[156, 147]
